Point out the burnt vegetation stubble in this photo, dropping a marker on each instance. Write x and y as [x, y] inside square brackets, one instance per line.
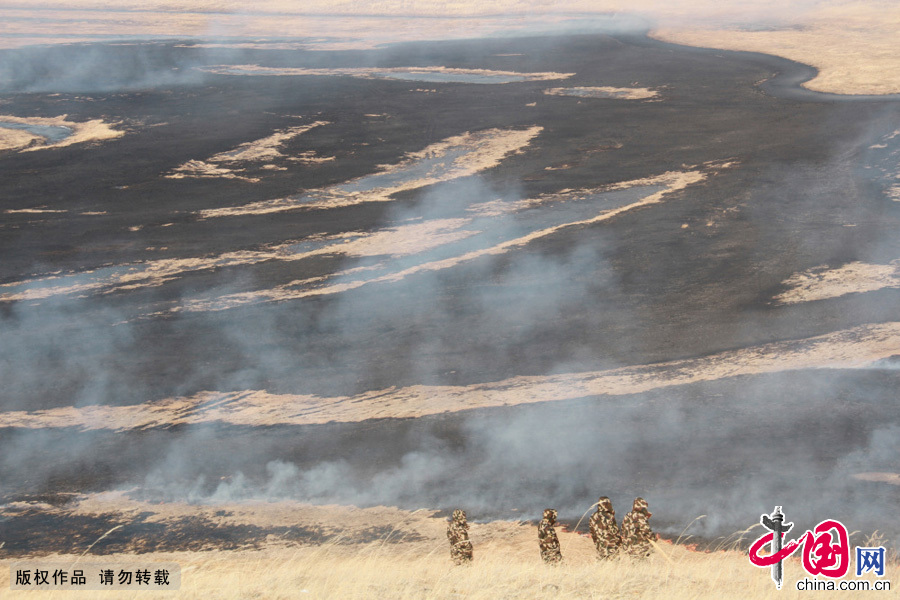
[665, 293]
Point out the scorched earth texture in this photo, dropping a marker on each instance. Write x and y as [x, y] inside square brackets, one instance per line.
[501, 290]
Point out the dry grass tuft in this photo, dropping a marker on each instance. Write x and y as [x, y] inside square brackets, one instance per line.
[504, 568]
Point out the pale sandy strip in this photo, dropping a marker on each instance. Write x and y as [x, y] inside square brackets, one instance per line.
[403, 240]
[484, 150]
[13, 139]
[377, 73]
[823, 283]
[675, 181]
[200, 169]
[87, 131]
[848, 348]
[307, 157]
[603, 92]
[264, 149]
[149, 274]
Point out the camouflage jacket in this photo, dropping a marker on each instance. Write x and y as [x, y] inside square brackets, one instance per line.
[457, 532]
[636, 533]
[604, 530]
[547, 534]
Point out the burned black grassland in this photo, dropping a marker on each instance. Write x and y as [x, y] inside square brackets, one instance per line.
[788, 181]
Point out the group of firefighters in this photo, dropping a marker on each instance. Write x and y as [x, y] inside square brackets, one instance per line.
[633, 538]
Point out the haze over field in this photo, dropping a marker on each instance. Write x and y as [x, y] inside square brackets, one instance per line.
[851, 41]
[326, 258]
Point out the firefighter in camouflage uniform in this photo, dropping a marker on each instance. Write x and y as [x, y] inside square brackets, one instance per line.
[604, 530]
[458, 534]
[547, 540]
[636, 532]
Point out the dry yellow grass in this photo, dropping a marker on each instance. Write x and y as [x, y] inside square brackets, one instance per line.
[95, 130]
[854, 50]
[408, 571]
[410, 562]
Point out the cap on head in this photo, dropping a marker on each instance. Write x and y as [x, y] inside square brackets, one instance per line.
[640, 505]
[550, 514]
[605, 504]
[459, 515]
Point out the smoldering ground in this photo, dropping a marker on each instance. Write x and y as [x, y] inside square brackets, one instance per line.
[643, 290]
[725, 449]
[93, 68]
[130, 63]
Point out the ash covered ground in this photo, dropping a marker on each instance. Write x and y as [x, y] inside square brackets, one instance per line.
[415, 277]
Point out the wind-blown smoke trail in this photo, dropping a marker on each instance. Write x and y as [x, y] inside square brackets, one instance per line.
[849, 348]
[294, 290]
[479, 226]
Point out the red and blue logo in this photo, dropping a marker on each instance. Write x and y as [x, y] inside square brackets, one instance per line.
[826, 550]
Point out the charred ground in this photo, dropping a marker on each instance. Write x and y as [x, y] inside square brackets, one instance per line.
[689, 277]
